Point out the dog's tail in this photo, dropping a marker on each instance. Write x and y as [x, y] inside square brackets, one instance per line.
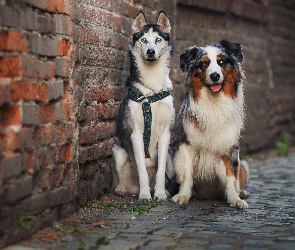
[244, 174]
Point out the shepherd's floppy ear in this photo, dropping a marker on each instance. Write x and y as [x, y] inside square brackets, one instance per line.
[139, 22]
[193, 54]
[233, 49]
[163, 22]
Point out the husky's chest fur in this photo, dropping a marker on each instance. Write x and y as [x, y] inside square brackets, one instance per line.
[145, 116]
[162, 117]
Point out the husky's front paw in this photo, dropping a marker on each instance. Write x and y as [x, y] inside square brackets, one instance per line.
[120, 190]
[145, 196]
[180, 199]
[241, 204]
[160, 197]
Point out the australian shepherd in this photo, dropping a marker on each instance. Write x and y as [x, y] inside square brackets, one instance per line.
[211, 117]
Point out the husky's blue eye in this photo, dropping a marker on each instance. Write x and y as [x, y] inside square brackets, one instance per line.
[143, 40]
[158, 40]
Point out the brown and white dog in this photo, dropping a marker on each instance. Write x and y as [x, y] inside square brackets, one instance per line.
[210, 121]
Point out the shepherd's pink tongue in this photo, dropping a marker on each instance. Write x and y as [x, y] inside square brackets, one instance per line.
[215, 88]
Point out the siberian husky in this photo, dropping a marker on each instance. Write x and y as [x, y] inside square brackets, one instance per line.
[211, 118]
[146, 115]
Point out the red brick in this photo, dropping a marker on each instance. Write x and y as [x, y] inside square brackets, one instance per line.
[4, 142]
[13, 41]
[31, 162]
[47, 156]
[10, 115]
[68, 155]
[67, 106]
[107, 111]
[38, 69]
[62, 66]
[14, 143]
[20, 90]
[9, 66]
[69, 130]
[50, 134]
[47, 113]
[101, 94]
[4, 92]
[64, 47]
[67, 7]
[61, 154]
[101, 111]
[21, 139]
[39, 92]
[82, 155]
[61, 174]
[60, 113]
[102, 130]
[64, 153]
[55, 6]
[60, 131]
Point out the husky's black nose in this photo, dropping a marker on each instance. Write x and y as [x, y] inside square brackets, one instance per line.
[150, 53]
[214, 77]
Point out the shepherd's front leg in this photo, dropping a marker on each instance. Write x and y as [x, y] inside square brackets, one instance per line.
[163, 145]
[232, 184]
[138, 149]
[184, 164]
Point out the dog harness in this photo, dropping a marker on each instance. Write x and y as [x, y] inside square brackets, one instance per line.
[147, 113]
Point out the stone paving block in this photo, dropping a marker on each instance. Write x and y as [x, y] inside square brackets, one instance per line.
[267, 224]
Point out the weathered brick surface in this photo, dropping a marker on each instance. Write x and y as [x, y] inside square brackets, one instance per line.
[37, 128]
[63, 67]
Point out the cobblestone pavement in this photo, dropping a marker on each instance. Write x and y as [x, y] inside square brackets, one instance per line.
[124, 223]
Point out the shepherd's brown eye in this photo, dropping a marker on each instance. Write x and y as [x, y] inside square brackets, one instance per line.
[204, 64]
[220, 62]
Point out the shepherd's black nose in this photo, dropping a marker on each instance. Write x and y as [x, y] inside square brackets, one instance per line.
[151, 52]
[214, 77]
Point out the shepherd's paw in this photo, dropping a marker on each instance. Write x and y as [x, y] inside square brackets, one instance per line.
[180, 199]
[240, 204]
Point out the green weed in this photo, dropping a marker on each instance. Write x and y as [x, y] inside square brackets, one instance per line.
[91, 202]
[24, 220]
[284, 145]
[139, 209]
[107, 205]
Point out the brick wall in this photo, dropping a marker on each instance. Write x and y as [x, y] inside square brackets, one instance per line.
[36, 123]
[63, 66]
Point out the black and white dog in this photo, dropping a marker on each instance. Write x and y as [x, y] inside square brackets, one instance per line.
[211, 118]
[145, 116]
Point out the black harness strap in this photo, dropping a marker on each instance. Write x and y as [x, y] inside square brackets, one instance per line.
[147, 113]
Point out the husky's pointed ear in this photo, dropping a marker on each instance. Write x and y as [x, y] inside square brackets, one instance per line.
[163, 22]
[190, 58]
[233, 49]
[139, 22]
